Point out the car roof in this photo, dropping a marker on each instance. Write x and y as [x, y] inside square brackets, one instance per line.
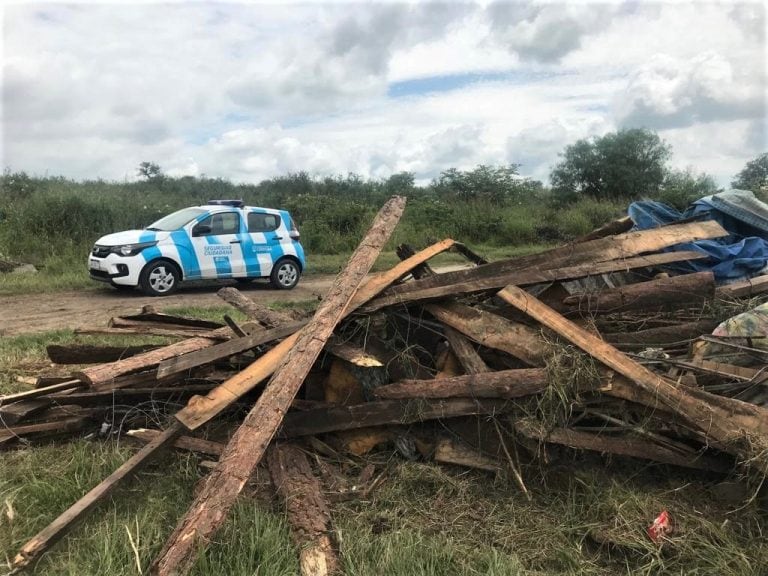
[217, 206]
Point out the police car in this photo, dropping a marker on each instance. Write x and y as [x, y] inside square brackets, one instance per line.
[222, 239]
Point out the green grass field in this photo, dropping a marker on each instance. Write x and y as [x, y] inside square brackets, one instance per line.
[583, 519]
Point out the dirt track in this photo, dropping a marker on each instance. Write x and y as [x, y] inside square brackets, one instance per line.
[22, 314]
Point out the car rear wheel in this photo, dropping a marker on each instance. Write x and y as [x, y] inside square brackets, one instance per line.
[160, 278]
[285, 274]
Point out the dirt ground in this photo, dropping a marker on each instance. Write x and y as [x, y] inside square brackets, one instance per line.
[22, 314]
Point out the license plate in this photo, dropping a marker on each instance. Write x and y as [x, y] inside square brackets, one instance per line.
[95, 264]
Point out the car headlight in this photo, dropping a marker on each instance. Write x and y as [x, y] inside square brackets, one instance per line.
[132, 249]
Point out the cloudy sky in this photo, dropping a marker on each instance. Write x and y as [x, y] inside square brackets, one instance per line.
[247, 91]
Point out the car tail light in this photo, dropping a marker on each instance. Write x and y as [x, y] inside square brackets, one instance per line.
[294, 233]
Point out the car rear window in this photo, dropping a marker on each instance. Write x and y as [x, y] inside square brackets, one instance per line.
[262, 222]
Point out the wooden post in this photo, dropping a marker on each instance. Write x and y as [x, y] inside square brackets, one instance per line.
[249, 443]
[501, 384]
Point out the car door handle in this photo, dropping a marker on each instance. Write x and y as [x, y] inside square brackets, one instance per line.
[278, 238]
[234, 242]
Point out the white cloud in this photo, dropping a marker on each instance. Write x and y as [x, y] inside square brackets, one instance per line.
[250, 91]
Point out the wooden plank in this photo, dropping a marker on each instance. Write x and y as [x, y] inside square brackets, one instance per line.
[12, 434]
[679, 291]
[47, 537]
[724, 423]
[619, 226]
[202, 409]
[187, 361]
[309, 515]
[37, 392]
[475, 280]
[154, 317]
[745, 289]
[249, 443]
[385, 412]
[493, 331]
[500, 384]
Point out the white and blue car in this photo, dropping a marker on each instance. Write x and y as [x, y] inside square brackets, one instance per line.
[222, 239]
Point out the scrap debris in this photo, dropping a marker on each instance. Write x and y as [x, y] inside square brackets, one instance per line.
[598, 345]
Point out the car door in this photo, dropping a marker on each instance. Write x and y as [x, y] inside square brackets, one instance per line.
[217, 240]
[263, 246]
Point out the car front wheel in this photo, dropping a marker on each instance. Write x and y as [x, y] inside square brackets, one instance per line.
[159, 278]
[285, 275]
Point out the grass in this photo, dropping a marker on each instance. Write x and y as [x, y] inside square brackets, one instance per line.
[67, 271]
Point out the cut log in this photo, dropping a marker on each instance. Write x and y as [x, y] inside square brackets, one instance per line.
[384, 412]
[250, 441]
[449, 451]
[309, 516]
[501, 384]
[620, 445]
[201, 409]
[483, 278]
[493, 331]
[713, 416]
[88, 354]
[685, 290]
[56, 529]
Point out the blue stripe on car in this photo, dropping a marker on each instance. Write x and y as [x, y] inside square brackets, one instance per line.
[152, 252]
[187, 254]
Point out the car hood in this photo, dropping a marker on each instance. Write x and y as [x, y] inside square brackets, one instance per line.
[131, 237]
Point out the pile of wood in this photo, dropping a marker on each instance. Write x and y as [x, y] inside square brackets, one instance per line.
[387, 356]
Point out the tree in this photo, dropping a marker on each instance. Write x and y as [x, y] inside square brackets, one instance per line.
[493, 184]
[625, 164]
[681, 187]
[151, 172]
[754, 176]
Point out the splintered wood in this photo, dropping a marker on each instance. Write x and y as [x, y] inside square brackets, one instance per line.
[458, 367]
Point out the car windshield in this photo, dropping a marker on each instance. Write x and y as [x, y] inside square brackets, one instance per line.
[176, 220]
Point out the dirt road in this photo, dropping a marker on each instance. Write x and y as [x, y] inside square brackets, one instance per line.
[22, 314]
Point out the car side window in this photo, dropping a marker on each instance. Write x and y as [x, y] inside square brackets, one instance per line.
[218, 224]
[262, 222]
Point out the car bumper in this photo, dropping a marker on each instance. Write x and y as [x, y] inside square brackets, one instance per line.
[116, 269]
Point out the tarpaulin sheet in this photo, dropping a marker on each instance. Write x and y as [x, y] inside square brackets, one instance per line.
[741, 254]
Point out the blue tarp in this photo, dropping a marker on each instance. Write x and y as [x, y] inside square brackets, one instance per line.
[741, 254]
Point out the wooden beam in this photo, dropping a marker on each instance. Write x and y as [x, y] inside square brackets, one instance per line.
[253, 310]
[184, 362]
[623, 445]
[681, 291]
[500, 384]
[493, 331]
[46, 538]
[37, 392]
[249, 443]
[385, 412]
[188, 443]
[474, 280]
[88, 354]
[449, 451]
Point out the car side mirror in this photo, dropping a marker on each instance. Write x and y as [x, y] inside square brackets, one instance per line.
[201, 230]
